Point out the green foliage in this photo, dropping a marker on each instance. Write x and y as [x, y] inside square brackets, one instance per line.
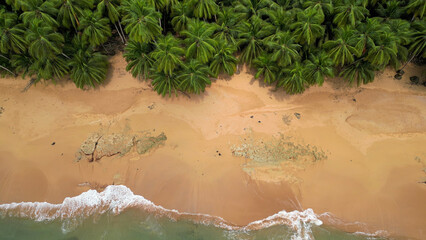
[194, 77]
[317, 68]
[141, 20]
[164, 83]
[198, 40]
[44, 41]
[349, 12]
[284, 49]
[359, 72]
[251, 37]
[88, 68]
[138, 58]
[12, 33]
[95, 28]
[418, 45]
[266, 68]
[204, 9]
[70, 12]
[292, 79]
[167, 55]
[180, 43]
[342, 50]
[224, 60]
[39, 10]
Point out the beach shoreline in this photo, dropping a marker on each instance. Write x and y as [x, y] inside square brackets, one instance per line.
[373, 137]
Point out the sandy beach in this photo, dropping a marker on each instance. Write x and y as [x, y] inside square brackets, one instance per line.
[373, 136]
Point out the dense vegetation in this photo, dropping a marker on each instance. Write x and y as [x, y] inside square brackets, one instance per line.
[180, 45]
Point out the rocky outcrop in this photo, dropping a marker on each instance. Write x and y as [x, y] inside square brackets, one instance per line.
[99, 145]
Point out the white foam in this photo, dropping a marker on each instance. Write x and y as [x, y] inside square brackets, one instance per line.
[116, 198]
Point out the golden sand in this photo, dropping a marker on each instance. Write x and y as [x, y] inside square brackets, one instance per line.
[374, 137]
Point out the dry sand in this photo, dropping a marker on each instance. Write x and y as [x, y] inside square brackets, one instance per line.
[374, 137]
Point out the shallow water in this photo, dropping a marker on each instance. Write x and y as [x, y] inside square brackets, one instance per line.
[117, 213]
[133, 224]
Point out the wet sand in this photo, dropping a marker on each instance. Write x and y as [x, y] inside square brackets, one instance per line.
[373, 135]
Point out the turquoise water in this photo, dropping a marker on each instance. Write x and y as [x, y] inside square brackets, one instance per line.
[133, 224]
[117, 213]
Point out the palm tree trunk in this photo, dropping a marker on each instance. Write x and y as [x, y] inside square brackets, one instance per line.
[29, 84]
[3, 56]
[63, 54]
[105, 48]
[122, 32]
[411, 59]
[119, 33]
[5, 68]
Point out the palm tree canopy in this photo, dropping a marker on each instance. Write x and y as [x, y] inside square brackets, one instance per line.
[251, 37]
[359, 72]
[167, 55]
[43, 41]
[193, 77]
[284, 49]
[349, 12]
[343, 50]
[12, 33]
[204, 9]
[138, 58]
[308, 26]
[198, 39]
[317, 68]
[141, 20]
[165, 84]
[266, 68]
[88, 68]
[292, 79]
[70, 10]
[39, 9]
[224, 60]
[95, 28]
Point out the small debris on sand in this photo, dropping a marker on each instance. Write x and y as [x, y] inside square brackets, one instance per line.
[297, 115]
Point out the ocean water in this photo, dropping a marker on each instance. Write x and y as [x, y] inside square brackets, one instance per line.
[116, 213]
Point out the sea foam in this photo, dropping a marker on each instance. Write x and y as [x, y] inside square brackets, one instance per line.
[116, 198]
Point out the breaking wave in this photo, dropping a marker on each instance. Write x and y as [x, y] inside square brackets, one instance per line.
[116, 198]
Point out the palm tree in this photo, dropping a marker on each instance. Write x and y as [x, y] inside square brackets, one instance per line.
[292, 79]
[226, 25]
[181, 13]
[369, 33]
[418, 45]
[250, 8]
[194, 77]
[322, 7]
[266, 68]
[12, 33]
[111, 7]
[52, 68]
[284, 49]
[22, 63]
[417, 7]
[95, 28]
[360, 71]
[348, 12]
[204, 9]
[138, 58]
[43, 41]
[198, 39]
[281, 18]
[141, 20]
[251, 37]
[165, 83]
[70, 11]
[224, 60]
[384, 51]
[343, 50]
[167, 55]
[88, 67]
[5, 65]
[317, 68]
[39, 9]
[393, 10]
[308, 27]
[402, 31]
